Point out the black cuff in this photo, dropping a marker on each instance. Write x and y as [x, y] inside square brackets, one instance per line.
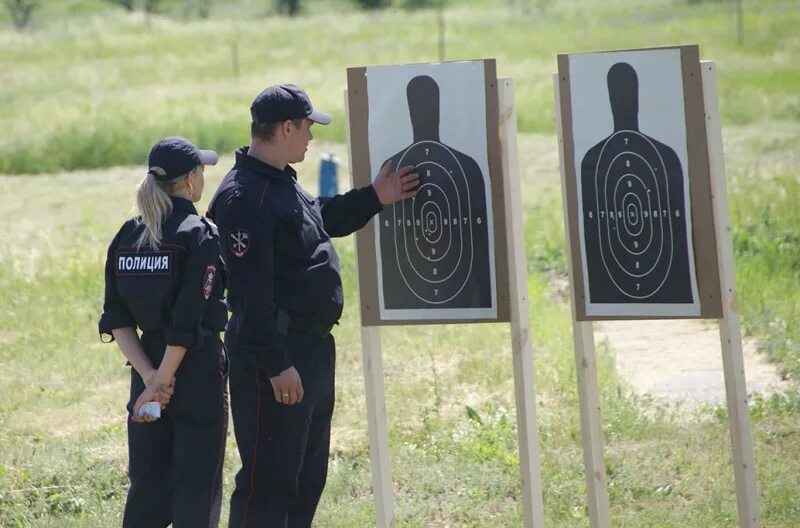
[275, 361]
[111, 321]
[372, 204]
[185, 339]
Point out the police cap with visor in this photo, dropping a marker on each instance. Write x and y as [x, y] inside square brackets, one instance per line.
[176, 156]
[282, 102]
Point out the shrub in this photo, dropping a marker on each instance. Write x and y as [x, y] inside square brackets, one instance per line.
[419, 4]
[127, 4]
[21, 11]
[373, 4]
[289, 7]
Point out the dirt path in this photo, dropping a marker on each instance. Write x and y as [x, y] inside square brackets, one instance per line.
[681, 360]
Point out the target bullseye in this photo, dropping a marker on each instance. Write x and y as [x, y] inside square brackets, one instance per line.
[430, 225]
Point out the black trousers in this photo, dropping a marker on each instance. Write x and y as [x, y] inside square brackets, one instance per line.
[175, 463]
[284, 448]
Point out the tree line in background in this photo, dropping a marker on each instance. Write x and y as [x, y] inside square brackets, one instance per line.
[201, 7]
[21, 11]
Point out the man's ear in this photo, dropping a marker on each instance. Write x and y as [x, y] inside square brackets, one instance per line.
[284, 128]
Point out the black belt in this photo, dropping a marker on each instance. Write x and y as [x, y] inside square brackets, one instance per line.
[299, 324]
[159, 334]
[315, 329]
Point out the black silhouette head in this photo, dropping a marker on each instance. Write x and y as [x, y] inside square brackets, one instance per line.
[423, 107]
[623, 93]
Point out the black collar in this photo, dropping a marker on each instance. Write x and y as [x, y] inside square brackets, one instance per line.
[182, 204]
[245, 160]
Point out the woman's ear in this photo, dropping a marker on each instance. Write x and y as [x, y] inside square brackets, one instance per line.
[188, 182]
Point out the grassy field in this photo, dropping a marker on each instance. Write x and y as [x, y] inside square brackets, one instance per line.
[95, 90]
[767, 244]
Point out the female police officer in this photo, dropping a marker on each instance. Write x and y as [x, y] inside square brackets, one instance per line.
[164, 276]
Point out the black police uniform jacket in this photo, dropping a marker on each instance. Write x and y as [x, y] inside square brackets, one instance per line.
[276, 240]
[173, 293]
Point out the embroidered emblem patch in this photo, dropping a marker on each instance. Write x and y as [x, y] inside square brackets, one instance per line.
[208, 280]
[239, 242]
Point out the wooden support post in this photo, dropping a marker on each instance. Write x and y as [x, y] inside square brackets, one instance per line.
[729, 327]
[377, 423]
[591, 423]
[586, 369]
[521, 345]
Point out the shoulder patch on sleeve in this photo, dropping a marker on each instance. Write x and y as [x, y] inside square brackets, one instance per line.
[208, 281]
[239, 242]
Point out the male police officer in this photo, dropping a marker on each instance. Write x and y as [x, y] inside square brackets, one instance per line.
[285, 293]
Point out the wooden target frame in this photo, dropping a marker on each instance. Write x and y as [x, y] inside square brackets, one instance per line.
[511, 287]
[713, 252]
[702, 221]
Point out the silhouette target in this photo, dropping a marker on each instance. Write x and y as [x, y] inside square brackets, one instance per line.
[634, 211]
[435, 247]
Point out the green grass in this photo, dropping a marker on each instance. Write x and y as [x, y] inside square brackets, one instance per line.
[97, 89]
[449, 389]
[767, 245]
[94, 88]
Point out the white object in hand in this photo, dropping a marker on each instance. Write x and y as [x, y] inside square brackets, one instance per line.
[152, 409]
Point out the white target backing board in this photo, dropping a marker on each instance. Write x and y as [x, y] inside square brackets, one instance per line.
[434, 255]
[635, 175]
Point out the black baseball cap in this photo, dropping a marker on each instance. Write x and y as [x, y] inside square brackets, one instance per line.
[176, 156]
[285, 101]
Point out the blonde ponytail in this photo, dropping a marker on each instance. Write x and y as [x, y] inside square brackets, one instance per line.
[153, 206]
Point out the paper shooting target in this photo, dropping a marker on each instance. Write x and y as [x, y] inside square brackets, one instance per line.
[633, 190]
[435, 252]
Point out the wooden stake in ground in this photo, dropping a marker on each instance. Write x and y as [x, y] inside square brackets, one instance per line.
[730, 332]
[586, 370]
[521, 345]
